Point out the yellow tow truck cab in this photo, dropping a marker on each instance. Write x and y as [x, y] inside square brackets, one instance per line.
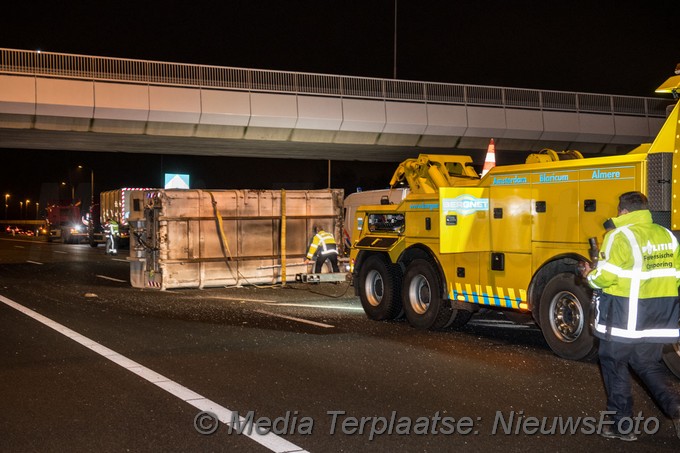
[511, 240]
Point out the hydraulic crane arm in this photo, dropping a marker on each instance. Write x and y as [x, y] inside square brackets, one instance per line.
[429, 172]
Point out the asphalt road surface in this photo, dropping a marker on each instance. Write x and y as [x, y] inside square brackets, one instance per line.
[89, 363]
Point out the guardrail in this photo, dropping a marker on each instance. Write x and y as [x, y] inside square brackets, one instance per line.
[50, 64]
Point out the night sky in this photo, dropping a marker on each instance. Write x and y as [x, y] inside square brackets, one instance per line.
[613, 47]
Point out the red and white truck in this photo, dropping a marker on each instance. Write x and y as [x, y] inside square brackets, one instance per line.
[65, 223]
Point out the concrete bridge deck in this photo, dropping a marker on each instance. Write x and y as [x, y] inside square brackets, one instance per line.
[89, 103]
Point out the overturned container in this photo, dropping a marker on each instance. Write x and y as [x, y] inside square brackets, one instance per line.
[208, 238]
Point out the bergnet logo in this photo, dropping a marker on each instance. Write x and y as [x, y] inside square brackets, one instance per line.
[465, 204]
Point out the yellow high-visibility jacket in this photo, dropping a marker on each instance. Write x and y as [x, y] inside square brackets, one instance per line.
[113, 228]
[638, 273]
[324, 240]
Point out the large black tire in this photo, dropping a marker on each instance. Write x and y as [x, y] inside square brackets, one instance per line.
[380, 288]
[565, 318]
[424, 306]
[671, 355]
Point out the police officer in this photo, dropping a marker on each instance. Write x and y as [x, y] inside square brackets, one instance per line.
[637, 312]
[323, 248]
[112, 235]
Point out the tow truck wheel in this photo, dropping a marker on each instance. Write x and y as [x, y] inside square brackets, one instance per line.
[379, 289]
[671, 355]
[565, 315]
[421, 295]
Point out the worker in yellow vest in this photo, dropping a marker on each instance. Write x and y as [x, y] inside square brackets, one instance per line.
[322, 248]
[112, 236]
[637, 313]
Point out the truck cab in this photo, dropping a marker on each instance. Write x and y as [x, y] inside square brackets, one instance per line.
[65, 223]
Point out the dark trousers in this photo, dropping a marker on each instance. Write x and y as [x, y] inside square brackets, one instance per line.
[320, 259]
[645, 360]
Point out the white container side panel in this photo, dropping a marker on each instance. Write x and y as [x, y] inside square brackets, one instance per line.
[211, 242]
[298, 235]
[186, 248]
[258, 238]
[175, 238]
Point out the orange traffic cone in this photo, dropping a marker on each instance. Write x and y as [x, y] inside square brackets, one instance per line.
[490, 160]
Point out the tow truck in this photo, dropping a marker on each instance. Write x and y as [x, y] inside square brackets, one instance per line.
[511, 240]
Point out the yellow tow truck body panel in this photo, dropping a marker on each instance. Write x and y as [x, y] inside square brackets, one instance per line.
[511, 239]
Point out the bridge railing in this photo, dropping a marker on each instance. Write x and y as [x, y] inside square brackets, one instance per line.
[51, 64]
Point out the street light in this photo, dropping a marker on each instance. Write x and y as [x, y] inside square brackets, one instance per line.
[91, 184]
[37, 210]
[90, 217]
[21, 210]
[27, 203]
[6, 198]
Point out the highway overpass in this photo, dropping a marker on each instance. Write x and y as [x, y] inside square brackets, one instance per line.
[90, 103]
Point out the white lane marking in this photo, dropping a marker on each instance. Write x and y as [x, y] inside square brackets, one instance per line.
[292, 318]
[59, 251]
[19, 247]
[118, 259]
[269, 440]
[285, 304]
[22, 240]
[34, 262]
[111, 278]
[241, 299]
[329, 307]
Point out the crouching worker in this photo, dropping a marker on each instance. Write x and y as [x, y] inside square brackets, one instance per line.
[323, 248]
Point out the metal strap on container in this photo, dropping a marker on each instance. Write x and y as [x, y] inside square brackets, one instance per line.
[220, 224]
